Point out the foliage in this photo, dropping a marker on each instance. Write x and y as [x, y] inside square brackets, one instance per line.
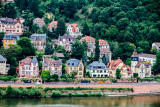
[118, 73]
[27, 47]
[97, 50]
[156, 67]
[73, 74]
[12, 71]
[34, 92]
[77, 50]
[48, 49]
[55, 57]
[114, 80]
[61, 29]
[132, 79]
[24, 79]
[45, 75]
[87, 74]
[55, 76]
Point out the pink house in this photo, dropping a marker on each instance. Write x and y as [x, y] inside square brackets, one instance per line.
[28, 68]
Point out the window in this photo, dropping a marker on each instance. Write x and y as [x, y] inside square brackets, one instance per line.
[6, 40]
[104, 71]
[17, 30]
[71, 68]
[80, 68]
[80, 73]
[9, 41]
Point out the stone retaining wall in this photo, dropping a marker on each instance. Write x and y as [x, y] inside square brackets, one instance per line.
[136, 88]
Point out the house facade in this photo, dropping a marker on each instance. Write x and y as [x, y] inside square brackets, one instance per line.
[4, 67]
[156, 45]
[66, 41]
[8, 25]
[10, 38]
[74, 30]
[52, 25]
[6, 1]
[38, 41]
[126, 71]
[54, 66]
[39, 21]
[97, 69]
[147, 58]
[75, 65]
[28, 67]
[142, 67]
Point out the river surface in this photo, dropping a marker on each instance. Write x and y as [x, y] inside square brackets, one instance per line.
[135, 101]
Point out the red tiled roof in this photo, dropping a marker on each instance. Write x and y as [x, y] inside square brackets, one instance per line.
[113, 64]
[53, 22]
[74, 27]
[103, 42]
[39, 20]
[145, 63]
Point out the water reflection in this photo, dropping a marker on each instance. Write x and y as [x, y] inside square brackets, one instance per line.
[136, 101]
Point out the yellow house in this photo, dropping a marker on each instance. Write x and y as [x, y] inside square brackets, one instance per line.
[75, 65]
[143, 68]
[119, 64]
[10, 38]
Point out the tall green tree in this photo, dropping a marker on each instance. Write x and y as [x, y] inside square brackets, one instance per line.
[77, 50]
[61, 29]
[156, 66]
[104, 60]
[48, 49]
[70, 8]
[97, 50]
[45, 75]
[27, 48]
[86, 30]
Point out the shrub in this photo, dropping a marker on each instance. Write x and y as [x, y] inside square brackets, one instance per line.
[24, 92]
[114, 80]
[46, 89]
[56, 93]
[34, 92]
[132, 79]
[12, 92]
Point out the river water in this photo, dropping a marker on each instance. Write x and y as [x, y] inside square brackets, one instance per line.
[135, 101]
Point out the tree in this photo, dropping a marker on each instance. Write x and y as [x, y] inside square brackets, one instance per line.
[60, 49]
[156, 67]
[87, 74]
[55, 57]
[12, 51]
[118, 73]
[27, 47]
[73, 74]
[154, 50]
[35, 28]
[84, 58]
[14, 62]
[55, 76]
[70, 8]
[61, 29]
[97, 50]
[104, 60]
[86, 30]
[112, 32]
[45, 75]
[122, 23]
[14, 79]
[44, 28]
[12, 71]
[48, 49]
[77, 50]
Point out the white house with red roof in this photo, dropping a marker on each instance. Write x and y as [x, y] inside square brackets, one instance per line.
[52, 25]
[39, 21]
[156, 45]
[74, 30]
[28, 67]
[126, 71]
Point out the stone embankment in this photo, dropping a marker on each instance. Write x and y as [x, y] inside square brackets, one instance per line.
[137, 88]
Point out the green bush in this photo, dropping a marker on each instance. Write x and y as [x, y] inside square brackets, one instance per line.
[56, 94]
[46, 89]
[34, 92]
[12, 92]
[114, 80]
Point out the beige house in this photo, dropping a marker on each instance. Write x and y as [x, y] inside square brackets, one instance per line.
[142, 67]
[119, 64]
[38, 41]
[3, 66]
[75, 65]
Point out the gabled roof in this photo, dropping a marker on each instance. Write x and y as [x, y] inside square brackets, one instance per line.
[7, 21]
[114, 64]
[11, 36]
[55, 63]
[103, 42]
[88, 39]
[74, 27]
[96, 64]
[39, 20]
[2, 58]
[53, 22]
[26, 60]
[58, 54]
[34, 60]
[73, 62]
